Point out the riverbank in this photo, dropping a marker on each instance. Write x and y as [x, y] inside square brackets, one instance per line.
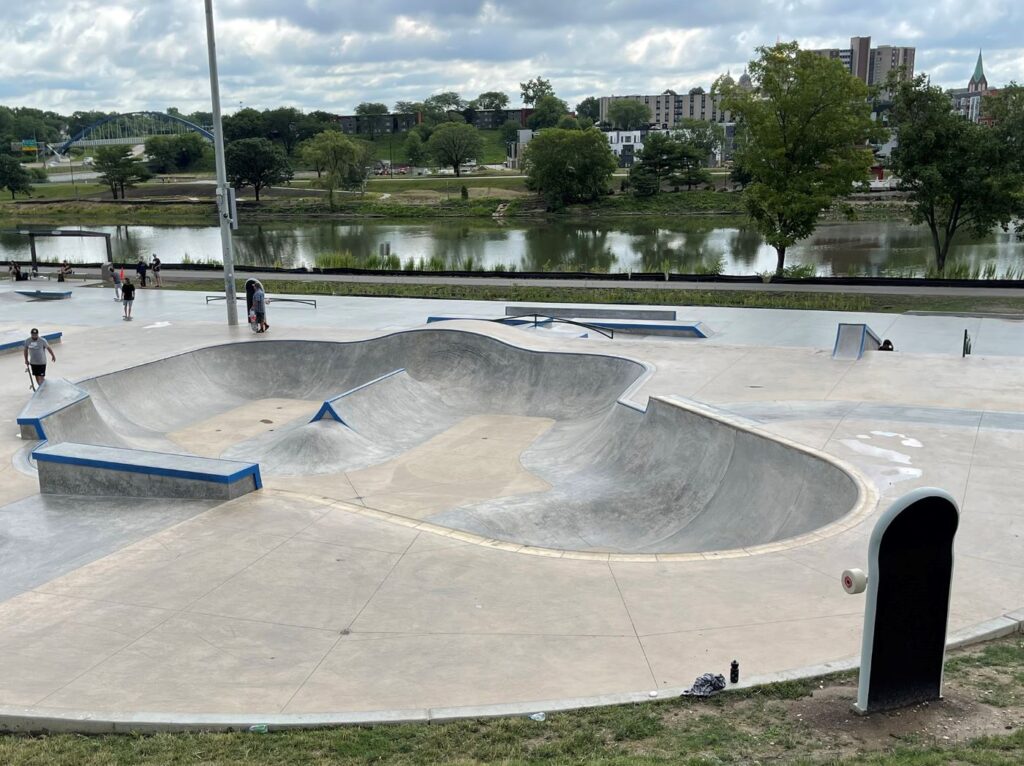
[979, 720]
[497, 198]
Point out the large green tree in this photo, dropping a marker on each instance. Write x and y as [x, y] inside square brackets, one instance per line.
[492, 99]
[674, 159]
[568, 166]
[807, 123]
[959, 174]
[533, 90]
[590, 108]
[13, 177]
[415, 150]
[170, 153]
[342, 160]
[245, 123]
[256, 162]
[627, 114]
[454, 144]
[547, 112]
[119, 169]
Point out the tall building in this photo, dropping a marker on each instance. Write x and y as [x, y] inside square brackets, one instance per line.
[872, 65]
[669, 108]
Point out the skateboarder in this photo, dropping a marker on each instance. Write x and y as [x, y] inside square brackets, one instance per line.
[128, 298]
[36, 349]
[115, 277]
[257, 312]
[155, 266]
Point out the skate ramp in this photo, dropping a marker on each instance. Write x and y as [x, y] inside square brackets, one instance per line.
[607, 475]
[854, 340]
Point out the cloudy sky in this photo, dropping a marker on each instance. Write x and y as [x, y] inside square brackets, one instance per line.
[332, 54]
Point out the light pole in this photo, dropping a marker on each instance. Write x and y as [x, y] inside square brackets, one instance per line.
[223, 198]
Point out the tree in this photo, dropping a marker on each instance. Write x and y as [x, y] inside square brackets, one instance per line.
[447, 101]
[342, 160]
[960, 175]
[256, 162]
[627, 114]
[415, 151]
[568, 166]
[668, 158]
[589, 107]
[13, 176]
[568, 122]
[510, 131]
[170, 153]
[453, 144]
[373, 111]
[547, 112]
[245, 123]
[708, 137]
[118, 169]
[533, 90]
[807, 122]
[492, 99]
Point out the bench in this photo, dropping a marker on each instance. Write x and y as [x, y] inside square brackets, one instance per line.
[70, 468]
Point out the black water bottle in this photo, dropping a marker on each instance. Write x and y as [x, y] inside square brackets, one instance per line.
[734, 672]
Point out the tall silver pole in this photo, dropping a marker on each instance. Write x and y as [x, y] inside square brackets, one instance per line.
[223, 205]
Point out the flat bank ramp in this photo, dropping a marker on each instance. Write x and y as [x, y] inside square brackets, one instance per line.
[854, 340]
[668, 480]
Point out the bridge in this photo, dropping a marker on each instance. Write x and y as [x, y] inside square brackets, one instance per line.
[132, 128]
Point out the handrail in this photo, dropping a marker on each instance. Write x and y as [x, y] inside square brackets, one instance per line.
[608, 333]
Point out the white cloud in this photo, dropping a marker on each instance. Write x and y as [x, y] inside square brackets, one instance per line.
[332, 54]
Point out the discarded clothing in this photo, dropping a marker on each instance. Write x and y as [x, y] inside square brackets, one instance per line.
[705, 686]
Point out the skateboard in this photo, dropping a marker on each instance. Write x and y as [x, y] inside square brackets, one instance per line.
[31, 379]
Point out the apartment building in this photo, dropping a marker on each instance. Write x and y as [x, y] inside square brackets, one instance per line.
[872, 65]
[669, 108]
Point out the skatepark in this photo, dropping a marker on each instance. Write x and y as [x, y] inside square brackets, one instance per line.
[363, 517]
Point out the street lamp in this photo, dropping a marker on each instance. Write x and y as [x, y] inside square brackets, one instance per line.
[224, 207]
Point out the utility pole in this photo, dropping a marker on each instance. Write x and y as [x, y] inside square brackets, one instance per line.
[224, 207]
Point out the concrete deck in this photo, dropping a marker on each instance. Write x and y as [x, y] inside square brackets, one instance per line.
[327, 598]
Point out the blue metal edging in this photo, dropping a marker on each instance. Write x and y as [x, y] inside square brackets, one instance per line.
[54, 336]
[327, 408]
[250, 469]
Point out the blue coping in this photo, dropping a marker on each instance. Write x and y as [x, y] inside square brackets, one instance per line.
[16, 344]
[327, 408]
[54, 294]
[50, 455]
[37, 422]
[865, 333]
[509, 321]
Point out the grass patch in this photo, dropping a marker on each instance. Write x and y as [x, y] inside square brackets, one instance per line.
[814, 301]
[391, 146]
[449, 184]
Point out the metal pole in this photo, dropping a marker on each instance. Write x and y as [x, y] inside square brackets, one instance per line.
[223, 206]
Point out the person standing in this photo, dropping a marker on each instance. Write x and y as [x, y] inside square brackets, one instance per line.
[36, 349]
[115, 277]
[128, 297]
[155, 265]
[140, 269]
[259, 306]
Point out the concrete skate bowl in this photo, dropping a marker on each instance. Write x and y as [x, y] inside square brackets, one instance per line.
[538, 449]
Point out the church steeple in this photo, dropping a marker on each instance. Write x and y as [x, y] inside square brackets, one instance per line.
[978, 81]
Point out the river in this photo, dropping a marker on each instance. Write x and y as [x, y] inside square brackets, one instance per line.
[875, 248]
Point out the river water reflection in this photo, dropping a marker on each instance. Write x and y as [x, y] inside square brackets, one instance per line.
[682, 245]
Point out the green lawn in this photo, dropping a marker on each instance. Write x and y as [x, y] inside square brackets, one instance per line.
[795, 722]
[392, 147]
[837, 301]
[445, 183]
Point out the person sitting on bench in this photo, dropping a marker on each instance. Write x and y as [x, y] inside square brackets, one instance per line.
[15, 271]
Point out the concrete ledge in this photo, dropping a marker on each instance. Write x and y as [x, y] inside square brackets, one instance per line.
[53, 396]
[10, 341]
[45, 295]
[327, 408]
[87, 469]
[573, 312]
